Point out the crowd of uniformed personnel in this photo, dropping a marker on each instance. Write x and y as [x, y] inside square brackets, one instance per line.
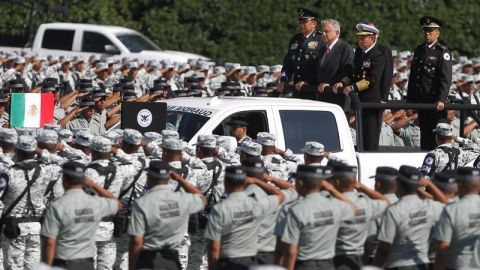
[125, 200]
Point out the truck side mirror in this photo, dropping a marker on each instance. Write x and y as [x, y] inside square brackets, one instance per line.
[111, 49]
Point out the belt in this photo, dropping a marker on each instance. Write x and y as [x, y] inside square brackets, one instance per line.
[62, 261]
[315, 262]
[107, 219]
[24, 219]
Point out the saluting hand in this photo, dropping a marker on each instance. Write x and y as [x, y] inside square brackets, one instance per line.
[299, 85]
[440, 105]
[336, 86]
[321, 87]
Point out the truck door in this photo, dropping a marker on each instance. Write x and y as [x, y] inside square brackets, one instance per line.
[58, 40]
[93, 42]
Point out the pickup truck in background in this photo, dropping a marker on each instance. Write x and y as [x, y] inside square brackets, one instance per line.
[69, 39]
[293, 121]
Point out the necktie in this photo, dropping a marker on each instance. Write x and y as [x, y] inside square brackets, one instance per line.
[327, 50]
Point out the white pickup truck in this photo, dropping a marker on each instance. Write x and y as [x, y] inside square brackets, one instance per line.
[294, 121]
[87, 39]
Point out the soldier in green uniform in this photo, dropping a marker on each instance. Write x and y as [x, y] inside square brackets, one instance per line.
[299, 65]
[159, 219]
[458, 228]
[233, 224]
[71, 221]
[312, 223]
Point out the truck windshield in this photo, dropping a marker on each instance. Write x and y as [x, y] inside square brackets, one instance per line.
[137, 43]
[186, 124]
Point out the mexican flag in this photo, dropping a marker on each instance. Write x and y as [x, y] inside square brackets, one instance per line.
[31, 109]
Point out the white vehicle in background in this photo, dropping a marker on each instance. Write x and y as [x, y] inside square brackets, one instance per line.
[293, 121]
[69, 39]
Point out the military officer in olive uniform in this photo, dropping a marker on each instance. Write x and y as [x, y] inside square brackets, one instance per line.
[71, 221]
[366, 80]
[430, 79]
[299, 65]
[457, 229]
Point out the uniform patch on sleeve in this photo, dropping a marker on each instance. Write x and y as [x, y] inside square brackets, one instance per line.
[428, 164]
[446, 56]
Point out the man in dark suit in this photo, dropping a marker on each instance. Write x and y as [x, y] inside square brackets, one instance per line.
[430, 79]
[303, 53]
[335, 61]
[366, 79]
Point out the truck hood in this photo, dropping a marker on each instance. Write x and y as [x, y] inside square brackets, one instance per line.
[174, 56]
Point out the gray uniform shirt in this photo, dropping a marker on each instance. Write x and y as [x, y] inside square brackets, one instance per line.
[374, 225]
[235, 222]
[459, 225]
[161, 216]
[406, 225]
[313, 224]
[72, 220]
[266, 238]
[353, 232]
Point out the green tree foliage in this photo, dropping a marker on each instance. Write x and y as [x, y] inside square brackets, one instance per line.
[251, 31]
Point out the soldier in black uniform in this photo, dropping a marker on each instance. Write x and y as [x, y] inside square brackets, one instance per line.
[430, 79]
[367, 80]
[299, 64]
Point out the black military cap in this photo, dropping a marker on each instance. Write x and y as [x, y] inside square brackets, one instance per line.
[47, 88]
[99, 93]
[128, 87]
[385, 173]
[53, 81]
[468, 174]
[305, 14]
[87, 102]
[235, 174]
[237, 121]
[15, 84]
[313, 172]
[117, 87]
[430, 22]
[340, 168]
[159, 169]
[159, 86]
[3, 97]
[74, 172]
[260, 91]
[85, 86]
[231, 85]
[253, 165]
[129, 95]
[445, 178]
[409, 174]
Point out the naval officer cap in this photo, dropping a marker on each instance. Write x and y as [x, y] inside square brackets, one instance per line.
[465, 174]
[74, 172]
[26, 143]
[267, 139]
[443, 129]
[235, 174]
[409, 175]
[314, 149]
[430, 22]
[132, 136]
[47, 136]
[364, 29]
[101, 144]
[8, 135]
[159, 169]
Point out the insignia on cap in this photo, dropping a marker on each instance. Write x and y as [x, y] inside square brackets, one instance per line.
[79, 169]
[300, 13]
[415, 177]
[328, 171]
[258, 165]
[163, 171]
[238, 171]
[475, 173]
[319, 170]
